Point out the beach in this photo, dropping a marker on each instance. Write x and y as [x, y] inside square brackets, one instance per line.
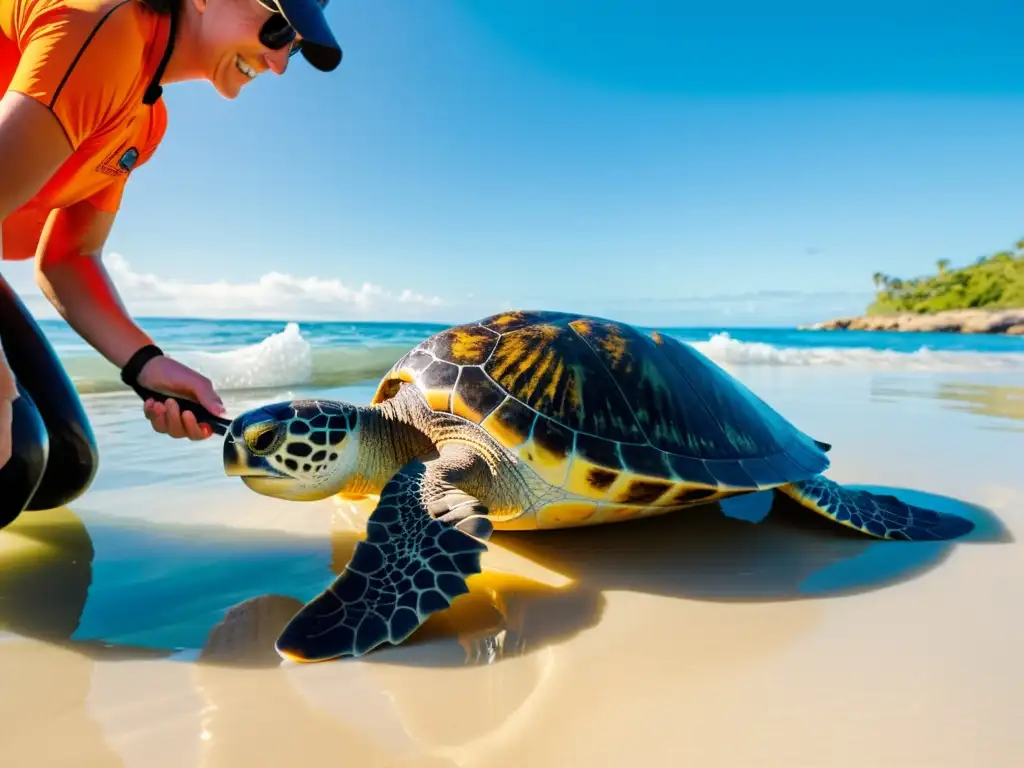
[137, 625]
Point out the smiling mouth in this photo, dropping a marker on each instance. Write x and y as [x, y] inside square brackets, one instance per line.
[244, 68]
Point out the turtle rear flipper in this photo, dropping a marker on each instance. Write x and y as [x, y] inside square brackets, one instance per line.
[410, 565]
[880, 515]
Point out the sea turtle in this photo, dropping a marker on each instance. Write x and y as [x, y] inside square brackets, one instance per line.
[526, 420]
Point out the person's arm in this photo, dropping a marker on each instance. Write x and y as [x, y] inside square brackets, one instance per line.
[71, 274]
[33, 146]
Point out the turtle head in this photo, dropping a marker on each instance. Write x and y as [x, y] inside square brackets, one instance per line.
[299, 450]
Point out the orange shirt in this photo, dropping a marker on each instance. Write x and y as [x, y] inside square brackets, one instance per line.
[89, 61]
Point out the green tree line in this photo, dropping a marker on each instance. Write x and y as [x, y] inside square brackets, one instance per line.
[991, 282]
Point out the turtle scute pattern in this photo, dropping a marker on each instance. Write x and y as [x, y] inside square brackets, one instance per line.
[301, 435]
[620, 418]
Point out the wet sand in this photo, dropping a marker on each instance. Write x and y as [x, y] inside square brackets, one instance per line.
[136, 626]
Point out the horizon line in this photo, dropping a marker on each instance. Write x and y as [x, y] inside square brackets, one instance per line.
[430, 323]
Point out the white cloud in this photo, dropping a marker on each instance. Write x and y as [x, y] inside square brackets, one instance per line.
[280, 296]
[275, 295]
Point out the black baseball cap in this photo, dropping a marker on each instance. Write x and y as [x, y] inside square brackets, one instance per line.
[318, 44]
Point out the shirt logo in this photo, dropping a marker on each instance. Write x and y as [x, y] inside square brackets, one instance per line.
[128, 159]
[120, 161]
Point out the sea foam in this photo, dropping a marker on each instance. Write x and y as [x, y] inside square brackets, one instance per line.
[724, 349]
[287, 358]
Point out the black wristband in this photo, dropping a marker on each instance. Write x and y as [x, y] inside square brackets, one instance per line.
[132, 369]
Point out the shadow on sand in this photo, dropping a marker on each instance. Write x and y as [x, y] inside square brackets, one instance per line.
[117, 589]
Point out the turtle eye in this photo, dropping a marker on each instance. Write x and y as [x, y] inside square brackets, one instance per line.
[264, 438]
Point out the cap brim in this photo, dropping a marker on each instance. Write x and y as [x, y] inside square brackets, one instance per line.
[324, 57]
[319, 47]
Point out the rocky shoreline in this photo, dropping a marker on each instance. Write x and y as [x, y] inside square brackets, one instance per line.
[1003, 321]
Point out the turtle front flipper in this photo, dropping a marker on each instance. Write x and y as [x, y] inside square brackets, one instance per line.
[880, 515]
[410, 565]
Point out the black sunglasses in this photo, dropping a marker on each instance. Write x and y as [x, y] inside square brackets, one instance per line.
[276, 32]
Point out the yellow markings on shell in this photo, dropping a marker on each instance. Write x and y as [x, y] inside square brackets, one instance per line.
[437, 399]
[507, 319]
[552, 467]
[505, 516]
[619, 513]
[582, 327]
[689, 494]
[614, 344]
[594, 481]
[574, 391]
[556, 366]
[461, 408]
[532, 365]
[388, 386]
[589, 480]
[515, 522]
[639, 489]
[633, 489]
[657, 338]
[467, 346]
[508, 436]
[521, 352]
[567, 514]
[576, 513]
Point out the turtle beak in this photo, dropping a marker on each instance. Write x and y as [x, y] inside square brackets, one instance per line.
[238, 462]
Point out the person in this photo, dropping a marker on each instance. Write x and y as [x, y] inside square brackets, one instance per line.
[82, 109]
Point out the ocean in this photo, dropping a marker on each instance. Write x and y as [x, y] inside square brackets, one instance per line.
[141, 618]
[255, 355]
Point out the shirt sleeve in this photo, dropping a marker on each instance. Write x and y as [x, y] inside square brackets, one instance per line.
[76, 63]
[109, 198]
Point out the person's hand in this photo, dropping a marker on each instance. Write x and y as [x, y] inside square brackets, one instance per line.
[164, 374]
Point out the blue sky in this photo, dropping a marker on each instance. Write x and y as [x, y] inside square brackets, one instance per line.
[653, 161]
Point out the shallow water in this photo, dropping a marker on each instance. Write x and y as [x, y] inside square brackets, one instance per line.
[138, 625]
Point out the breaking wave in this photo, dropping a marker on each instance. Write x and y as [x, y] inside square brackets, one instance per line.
[287, 358]
[724, 349]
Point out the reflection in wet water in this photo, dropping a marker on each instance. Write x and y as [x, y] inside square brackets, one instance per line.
[123, 587]
[1003, 403]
